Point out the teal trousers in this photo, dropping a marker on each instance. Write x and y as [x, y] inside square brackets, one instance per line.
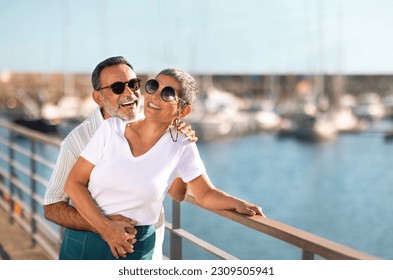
[85, 245]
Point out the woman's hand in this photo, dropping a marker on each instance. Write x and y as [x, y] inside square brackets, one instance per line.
[120, 237]
[131, 222]
[249, 209]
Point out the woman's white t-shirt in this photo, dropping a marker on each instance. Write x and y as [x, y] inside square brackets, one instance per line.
[136, 186]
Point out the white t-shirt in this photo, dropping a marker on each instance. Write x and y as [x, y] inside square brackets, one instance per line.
[136, 186]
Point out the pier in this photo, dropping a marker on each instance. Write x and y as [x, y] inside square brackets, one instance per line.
[26, 234]
[15, 242]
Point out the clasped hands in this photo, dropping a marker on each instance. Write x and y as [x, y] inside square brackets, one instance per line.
[120, 235]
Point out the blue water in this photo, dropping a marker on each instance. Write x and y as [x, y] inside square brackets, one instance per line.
[340, 190]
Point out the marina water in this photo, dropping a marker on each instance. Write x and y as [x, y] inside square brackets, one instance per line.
[340, 190]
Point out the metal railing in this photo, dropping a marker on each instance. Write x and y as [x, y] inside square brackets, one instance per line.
[23, 200]
[22, 185]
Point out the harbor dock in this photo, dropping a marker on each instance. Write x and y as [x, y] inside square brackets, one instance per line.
[15, 242]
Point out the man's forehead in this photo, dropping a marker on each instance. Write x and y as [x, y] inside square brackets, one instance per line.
[117, 73]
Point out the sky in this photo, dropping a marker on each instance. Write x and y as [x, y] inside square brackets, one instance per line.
[200, 36]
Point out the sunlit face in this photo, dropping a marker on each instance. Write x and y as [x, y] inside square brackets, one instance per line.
[124, 106]
[158, 109]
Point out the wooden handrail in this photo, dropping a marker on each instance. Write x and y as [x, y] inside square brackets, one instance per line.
[302, 239]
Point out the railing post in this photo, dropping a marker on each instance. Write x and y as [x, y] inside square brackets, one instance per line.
[33, 166]
[176, 241]
[307, 255]
[12, 175]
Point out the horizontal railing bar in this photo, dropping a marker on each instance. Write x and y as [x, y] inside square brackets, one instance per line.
[38, 199]
[23, 223]
[4, 141]
[54, 141]
[3, 204]
[18, 201]
[302, 239]
[40, 180]
[4, 157]
[5, 190]
[21, 150]
[4, 174]
[53, 253]
[43, 161]
[20, 185]
[46, 229]
[200, 242]
[20, 167]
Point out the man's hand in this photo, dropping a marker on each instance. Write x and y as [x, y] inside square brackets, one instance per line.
[188, 132]
[131, 230]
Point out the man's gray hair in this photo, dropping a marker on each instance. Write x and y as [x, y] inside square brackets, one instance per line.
[95, 76]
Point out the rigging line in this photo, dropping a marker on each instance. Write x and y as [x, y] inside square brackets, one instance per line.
[153, 56]
[308, 37]
[320, 80]
[340, 39]
[69, 82]
[311, 34]
[158, 53]
[196, 27]
[102, 22]
[164, 28]
[66, 24]
[320, 14]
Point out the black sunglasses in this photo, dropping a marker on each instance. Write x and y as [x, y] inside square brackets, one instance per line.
[168, 93]
[119, 87]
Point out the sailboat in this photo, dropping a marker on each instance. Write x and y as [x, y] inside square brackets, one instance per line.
[314, 119]
[218, 114]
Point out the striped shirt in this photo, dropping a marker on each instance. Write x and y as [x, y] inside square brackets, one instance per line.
[70, 149]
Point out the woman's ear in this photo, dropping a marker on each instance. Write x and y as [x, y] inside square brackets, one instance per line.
[185, 111]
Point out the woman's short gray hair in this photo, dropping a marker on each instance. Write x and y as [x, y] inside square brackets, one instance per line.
[188, 85]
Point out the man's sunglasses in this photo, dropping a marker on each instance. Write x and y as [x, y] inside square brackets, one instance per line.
[119, 87]
[168, 93]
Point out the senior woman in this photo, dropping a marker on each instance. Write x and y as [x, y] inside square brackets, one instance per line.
[128, 168]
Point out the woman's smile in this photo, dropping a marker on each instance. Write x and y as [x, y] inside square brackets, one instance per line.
[154, 106]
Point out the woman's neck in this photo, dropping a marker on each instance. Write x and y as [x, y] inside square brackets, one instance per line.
[142, 135]
[151, 128]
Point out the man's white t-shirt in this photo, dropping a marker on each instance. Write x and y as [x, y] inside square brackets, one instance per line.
[136, 186]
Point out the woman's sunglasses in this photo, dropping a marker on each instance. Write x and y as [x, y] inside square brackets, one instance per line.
[168, 93]
[119, 87]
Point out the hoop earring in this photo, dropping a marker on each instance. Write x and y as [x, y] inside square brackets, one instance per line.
[174, 139]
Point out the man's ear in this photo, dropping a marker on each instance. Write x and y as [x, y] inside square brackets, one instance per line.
[98, 98]
[185, 111]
